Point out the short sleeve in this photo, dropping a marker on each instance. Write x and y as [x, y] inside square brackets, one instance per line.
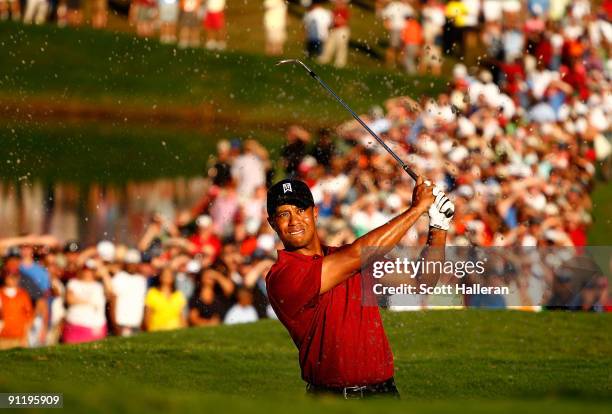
[116, 284]
[295, 285]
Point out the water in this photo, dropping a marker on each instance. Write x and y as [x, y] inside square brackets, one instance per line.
[91, 212]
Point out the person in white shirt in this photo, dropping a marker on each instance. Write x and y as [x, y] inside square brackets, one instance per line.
[248, 170]
[129, 289]
[243, 311]
[433, 28]
[317, 22]
[394, 18]
[336, 46]
[275, 25]
[86, 300]
[36, 11]
[168, 11]
[492, 10]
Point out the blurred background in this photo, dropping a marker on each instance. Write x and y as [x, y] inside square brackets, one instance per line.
[138, 138]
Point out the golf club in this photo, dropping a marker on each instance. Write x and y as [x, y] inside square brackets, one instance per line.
[404, 166]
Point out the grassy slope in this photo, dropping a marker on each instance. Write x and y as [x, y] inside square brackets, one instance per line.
[600, 234]
[121, 71]
[475, 360]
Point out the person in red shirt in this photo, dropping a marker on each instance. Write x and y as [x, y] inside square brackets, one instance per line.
[412, 38]
[15, 311]
[205, 240]
[316, 292]
[338, 40]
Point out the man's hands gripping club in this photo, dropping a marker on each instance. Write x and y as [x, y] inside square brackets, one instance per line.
[345, 261]
[441, 211]
[430, 198]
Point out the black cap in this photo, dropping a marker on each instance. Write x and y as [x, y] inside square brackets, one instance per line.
[289, 191]
[12, 251]
[72, 247]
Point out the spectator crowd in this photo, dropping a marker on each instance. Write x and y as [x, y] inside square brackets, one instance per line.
[517, 142]
[419, 32]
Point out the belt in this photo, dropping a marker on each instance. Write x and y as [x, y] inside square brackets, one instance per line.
[385, 388]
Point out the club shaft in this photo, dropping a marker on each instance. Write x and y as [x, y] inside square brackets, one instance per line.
[404, 166]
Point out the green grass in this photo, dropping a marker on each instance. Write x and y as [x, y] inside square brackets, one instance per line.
[119, 71]
[245, 32]
[113, 153]
[478, 361]
[600, 233]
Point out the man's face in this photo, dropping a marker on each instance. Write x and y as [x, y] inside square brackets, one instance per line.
[11, 265]
[27, 251]
[295, 226]
[12, 280]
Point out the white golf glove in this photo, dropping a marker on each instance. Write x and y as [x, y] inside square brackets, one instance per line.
[438, 210]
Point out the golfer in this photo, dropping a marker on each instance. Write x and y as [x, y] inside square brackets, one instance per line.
[315, 291]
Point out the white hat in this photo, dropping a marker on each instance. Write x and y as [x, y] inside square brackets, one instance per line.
[266, 242]
[459, 71]
[458, 154]
[428, 145]
[598, 119]
[529, 241]
[252, 226]
[106, 250]
[193, 266]
[485, 76]
[446, 146]
[223, 146]
[556, 40]
[465, 191]
[530, 63]
[551, 209]
[580, 108]
[203, 221]
[465, 127]
[132, 256]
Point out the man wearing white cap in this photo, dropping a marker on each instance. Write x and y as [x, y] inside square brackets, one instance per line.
[128, 295]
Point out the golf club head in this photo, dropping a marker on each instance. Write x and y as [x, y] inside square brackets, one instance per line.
[283, 62]
[299, 62]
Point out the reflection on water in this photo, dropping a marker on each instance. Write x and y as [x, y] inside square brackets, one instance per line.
[92, 212]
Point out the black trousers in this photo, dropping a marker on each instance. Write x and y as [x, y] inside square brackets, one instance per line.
[385, 389]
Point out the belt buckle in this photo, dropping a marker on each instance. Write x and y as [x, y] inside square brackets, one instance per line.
[347, 392]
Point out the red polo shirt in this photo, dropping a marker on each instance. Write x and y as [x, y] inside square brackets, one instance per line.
[341, 343]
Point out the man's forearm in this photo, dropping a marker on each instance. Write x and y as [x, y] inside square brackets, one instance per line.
[384, 238]
[434, 252]
[390, 234]
[347, 260]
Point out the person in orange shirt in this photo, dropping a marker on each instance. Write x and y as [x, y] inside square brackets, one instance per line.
[412, 37]
[16, 313]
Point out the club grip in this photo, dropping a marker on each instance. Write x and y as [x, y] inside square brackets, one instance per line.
[410, 172]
